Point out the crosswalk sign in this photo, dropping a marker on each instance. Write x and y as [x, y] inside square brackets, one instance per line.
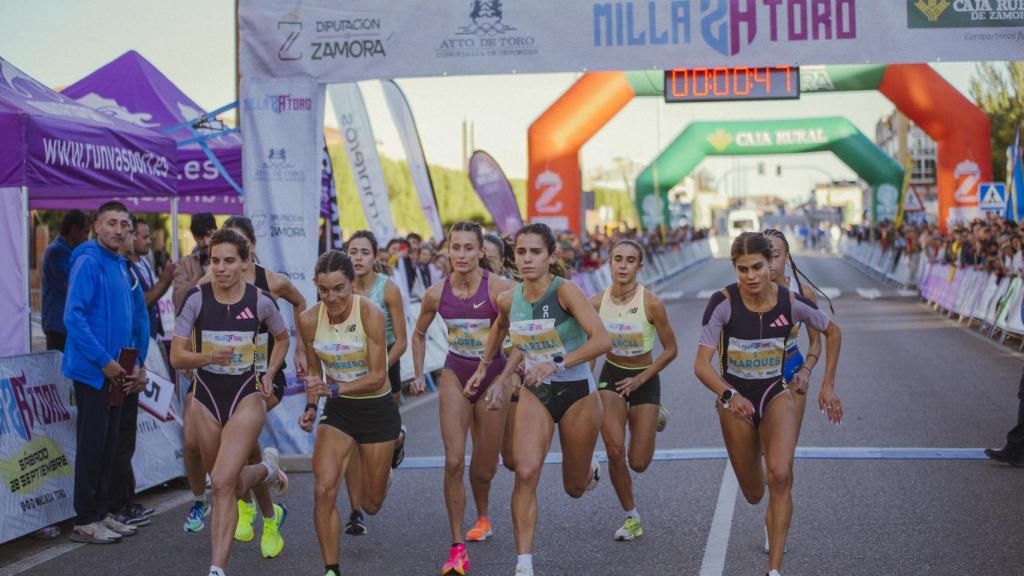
[912, 201]
[992, 196]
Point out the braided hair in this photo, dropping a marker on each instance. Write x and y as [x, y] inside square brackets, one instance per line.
[797, 274]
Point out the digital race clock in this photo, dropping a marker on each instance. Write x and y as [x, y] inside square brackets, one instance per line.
[742, 83]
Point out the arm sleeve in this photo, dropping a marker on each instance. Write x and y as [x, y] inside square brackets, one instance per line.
[81, 291]
[805, 311]
[266, 310]
[187, 314]
[716, 316]
[140, 323]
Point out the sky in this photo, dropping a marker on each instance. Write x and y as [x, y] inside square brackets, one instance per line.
[192, 42]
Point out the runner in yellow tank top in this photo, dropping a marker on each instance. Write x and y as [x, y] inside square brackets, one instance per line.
[629, 386]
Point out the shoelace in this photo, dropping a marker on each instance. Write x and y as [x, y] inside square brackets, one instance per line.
[196, 513]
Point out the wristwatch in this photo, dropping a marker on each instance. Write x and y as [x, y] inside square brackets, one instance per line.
[310, 406]
[726, 397]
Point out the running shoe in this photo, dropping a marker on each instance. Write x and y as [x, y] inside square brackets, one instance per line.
[277, 481]
[524, 571]
[765, 549]
[399, 454]
[458, 561]
[124, 516]
[631, 530]
[480, 531]
[118, 527]
[271, 543]
[595, 473]
[94, 533]
[662, 418]
[773, 573]
[246, 518]
[137, 509]
[331, 573]
[355, 525]
[196, 514]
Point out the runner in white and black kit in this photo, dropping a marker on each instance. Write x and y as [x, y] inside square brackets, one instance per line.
[221, 321]
[748, 325]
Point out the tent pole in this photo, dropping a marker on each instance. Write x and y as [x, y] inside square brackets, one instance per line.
[175, 246]
[27, 271]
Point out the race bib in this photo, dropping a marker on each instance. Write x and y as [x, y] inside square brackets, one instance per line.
[539, 342]
[343, 361]
[627, 337]
[262, 352]
[241, 358]
[468, 336]
[756, 359]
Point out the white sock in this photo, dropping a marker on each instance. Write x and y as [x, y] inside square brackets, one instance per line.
[525, 560]
[633, 514]
[216, 571]
[270, 471]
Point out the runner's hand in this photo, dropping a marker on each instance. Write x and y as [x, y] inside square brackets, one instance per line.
[476, 378]
[222, 355]
[315, 385]
[538, 374]
[801, 382]
[267, 384]
[307, 419]
[299, 358]
[418, 385]
[741, 408]
[628, 385]
[830, 404]
[495, 396]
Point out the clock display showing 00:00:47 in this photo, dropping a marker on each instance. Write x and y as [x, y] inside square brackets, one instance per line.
[740, 83]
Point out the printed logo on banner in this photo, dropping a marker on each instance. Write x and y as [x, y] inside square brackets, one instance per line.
[967, 174]
[290, 27]
[966, 14]
[720, 139]
[486, 35]
[356, 37]
[725, 26]
[276, 168]
[549, 184]
[24, 407]
[815, 79]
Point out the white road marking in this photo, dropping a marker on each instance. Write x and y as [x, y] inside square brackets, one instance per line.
[26, 564]
[904, 293]
[832, 292]
[869, 293]
[715, 550]
[674, 295]
[705, 294]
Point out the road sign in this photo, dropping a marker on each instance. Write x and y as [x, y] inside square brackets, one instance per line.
[912, 201]
[992, 196]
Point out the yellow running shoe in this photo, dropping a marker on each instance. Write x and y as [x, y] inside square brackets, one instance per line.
[271, 543]
[480, 531]
[631, 530]
[246, 518]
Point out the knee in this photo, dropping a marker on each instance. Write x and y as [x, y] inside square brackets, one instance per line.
[753, 495]
[527, 474]
[482, 475]
[574, 490]
[780, 478]
[372, 504]
[639, 465]
[616, 451]
[509, 464]
[454, 464]
[325, 494]
[222, 486]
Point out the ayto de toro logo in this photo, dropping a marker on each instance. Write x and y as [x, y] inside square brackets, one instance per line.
[24, 407]
[965, 13]
[486, 33]
[275, 167]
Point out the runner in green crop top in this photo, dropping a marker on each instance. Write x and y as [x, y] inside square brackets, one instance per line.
[559, 333]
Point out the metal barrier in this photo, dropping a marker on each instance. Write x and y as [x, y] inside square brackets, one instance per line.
[964, 294]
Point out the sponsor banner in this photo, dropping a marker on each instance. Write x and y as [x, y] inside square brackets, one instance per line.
[159, 452]
[329, 205]
[282, 123]
[357, 135]
[363, 39]
[13, 296]
[495, 191]
[37, 444]
[401, 113]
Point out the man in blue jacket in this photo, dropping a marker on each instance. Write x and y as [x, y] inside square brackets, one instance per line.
[74, 229]
[105, 312]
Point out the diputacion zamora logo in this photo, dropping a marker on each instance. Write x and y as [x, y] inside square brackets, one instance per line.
[486, 19]
[290, 27]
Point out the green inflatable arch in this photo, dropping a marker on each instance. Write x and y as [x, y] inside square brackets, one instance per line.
[796, 136]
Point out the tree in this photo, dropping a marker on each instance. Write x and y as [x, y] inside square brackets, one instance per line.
[999, 91]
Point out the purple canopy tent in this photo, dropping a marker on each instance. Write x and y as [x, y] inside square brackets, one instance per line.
[130, 88]
[54, 148]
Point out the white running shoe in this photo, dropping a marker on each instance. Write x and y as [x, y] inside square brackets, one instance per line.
[277, 481]
[94, 533]
[524, 571]
[662, 418]
[595, 473]
[773, 573]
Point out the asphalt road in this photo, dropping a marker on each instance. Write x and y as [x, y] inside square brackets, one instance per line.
[908, 378]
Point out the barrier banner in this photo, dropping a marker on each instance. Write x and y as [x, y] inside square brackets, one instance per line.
[495, 191]
[13, 296]
[357, 134]
[364, 39]
[37, 444]
[282, 121]
[159, 452]
[401, 113]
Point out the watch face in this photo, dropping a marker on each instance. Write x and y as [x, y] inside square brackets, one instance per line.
[727, 395]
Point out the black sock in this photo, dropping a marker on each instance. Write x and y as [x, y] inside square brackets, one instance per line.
[334, 567]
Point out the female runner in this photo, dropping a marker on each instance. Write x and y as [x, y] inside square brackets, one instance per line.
[377, 287]
[559, 333]
[748, 323]
[466, 302]
[346, 331]
[221, 320]
[630, 386]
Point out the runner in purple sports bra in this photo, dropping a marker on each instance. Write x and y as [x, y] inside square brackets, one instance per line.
[466, 302]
